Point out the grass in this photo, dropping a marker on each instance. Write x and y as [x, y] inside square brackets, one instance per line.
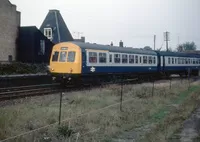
[103, 125]
[165, 129]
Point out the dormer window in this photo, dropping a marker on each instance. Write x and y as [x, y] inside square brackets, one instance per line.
[48, 33]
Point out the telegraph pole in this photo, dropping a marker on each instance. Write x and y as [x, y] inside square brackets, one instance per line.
[166, 38]
[154, 42]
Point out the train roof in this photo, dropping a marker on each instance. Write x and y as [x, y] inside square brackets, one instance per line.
[113, 48]
[179, 54]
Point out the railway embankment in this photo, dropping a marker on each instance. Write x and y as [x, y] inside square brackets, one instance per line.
[143, 112]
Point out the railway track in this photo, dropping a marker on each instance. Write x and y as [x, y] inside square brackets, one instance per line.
[45, 89]
[26, 91]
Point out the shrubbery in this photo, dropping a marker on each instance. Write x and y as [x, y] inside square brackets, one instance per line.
[22, 68]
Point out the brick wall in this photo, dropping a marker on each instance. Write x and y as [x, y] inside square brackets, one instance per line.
[9, 26]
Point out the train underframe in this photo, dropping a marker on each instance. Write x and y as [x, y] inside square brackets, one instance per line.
[67, 79]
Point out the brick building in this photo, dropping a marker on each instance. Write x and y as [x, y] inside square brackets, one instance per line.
[9, 26]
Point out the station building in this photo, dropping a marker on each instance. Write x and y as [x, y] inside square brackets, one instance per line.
[9, 30]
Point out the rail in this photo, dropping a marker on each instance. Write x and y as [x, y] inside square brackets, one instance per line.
[27, 91]
[45, 89]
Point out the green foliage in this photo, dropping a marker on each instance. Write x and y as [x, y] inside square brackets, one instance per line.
[22, 68]
[147, 48]
[188, 46]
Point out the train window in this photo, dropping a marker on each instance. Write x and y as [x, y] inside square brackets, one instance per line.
[136, 59]
[169, 60]
[188, 61]
[172, 60]
[154, 60]
[193, 61]
[150, 60]
[92, 57]
[131, 59]
[175, 60]
[144, 59]
[117, 58]
[124, 59]
[110, 58]
[179, 61]
[183, 61]
[196, 61]
[140, 59]
[55, 56]
[63, 56]
[102, 57]
[71, 56]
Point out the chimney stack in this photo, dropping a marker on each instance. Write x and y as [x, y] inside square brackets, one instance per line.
[111, 44]
[121, 44]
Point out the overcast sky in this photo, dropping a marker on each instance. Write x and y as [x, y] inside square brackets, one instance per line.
[133, 21]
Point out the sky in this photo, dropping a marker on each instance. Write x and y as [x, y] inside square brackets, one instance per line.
[135, 22]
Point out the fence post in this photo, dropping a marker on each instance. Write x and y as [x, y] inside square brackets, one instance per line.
[188, 79]
[121, 99]
[60, 108]
[153, 87]
[61, 95]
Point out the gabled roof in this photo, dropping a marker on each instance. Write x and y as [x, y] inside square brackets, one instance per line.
[60, 30]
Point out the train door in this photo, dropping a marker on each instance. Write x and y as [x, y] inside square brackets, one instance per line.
[84, 63]
[161, 62]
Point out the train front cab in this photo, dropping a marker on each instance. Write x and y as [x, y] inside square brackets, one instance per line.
[65, 61]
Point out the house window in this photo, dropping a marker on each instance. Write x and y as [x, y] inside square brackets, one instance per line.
[102, 57]
[131, 59]
[10, 58]
[48, 33]
[117, 58]
[92, 57]
[42, 48]
[124, 59]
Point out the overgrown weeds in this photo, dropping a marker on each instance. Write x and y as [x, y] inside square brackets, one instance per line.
[100, 122]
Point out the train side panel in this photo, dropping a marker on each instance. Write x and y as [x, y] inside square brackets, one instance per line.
[109, 67]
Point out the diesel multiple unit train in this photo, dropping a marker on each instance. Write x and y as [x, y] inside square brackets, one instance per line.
[77, 61]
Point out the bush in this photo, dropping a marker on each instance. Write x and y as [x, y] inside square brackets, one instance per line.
[22, 68]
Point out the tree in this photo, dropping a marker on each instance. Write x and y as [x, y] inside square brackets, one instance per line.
[147, 48]
[186, 47]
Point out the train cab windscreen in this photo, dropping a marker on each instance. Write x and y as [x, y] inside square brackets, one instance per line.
[64, 56]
